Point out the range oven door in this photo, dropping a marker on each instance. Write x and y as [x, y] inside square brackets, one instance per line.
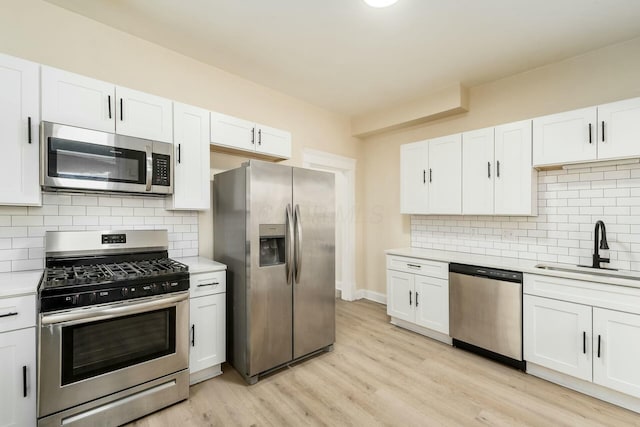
[89, 353]
[77, 158]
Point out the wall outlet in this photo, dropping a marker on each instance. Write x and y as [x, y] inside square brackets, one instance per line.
[508, 235]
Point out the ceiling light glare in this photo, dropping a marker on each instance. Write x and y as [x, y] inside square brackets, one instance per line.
[380, 3]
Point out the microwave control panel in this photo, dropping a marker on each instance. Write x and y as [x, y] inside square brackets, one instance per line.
[161, 170]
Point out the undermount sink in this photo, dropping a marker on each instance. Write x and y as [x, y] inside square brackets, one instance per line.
[606, 272]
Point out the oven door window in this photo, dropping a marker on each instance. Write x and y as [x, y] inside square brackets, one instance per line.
[95, 348]
[95, 162]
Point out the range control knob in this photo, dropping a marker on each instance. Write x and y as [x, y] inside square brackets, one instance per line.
[125, 292]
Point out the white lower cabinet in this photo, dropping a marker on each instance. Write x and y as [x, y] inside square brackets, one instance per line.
[18, 378]
[588, 332]
[418, 293]
[207, 311]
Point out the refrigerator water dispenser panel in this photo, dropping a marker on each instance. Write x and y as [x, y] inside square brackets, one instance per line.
[272, 244]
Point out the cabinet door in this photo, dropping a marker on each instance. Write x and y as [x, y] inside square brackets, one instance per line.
[143, 115]
[478, 171]
[414, 190]
[568, 137]
[432, 303]
[232, 132]
[515, 183]
[445, 175]
[19, 123]
[18, 378]
[619, 129]
[207, 332]
[557, 335]
[616, 350]
[191, 160]
[400, 295]
[274, 142]
[76, 100]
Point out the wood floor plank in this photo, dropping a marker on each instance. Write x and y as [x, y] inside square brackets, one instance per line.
[382, 375]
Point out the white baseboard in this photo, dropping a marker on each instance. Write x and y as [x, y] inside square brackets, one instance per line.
[205, 374]
[371, 296]
[439, 336]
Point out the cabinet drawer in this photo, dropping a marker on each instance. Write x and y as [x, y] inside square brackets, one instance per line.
[207, 283]
[419, 266]
[17, 312]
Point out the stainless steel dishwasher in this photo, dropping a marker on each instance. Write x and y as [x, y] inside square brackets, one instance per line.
[485, 312]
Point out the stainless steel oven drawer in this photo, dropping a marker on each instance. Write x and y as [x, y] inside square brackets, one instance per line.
[125, 406]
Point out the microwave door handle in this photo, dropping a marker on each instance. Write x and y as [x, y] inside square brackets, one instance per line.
[149, 167]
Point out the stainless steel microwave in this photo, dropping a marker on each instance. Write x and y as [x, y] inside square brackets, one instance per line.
[81, 159]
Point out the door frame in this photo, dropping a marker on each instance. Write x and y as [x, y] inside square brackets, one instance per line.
[315, 159]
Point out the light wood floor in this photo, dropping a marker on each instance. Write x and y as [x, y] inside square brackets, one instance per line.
[379, 374]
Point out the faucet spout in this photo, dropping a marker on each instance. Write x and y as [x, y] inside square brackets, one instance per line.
[603, 243]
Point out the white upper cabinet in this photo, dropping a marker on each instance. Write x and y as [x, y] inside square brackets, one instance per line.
[240, 136]
[191, 188]
[76, 100]
[143, 115]
[515, 178]
[19, 124]
[445, 175]
[619, 129]
[606, 132]
[414, 190]
[478, 171]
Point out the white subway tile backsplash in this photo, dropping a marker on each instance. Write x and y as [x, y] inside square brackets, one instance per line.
[569, 204]
[22, 229]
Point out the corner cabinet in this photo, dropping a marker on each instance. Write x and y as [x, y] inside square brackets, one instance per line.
[191, 166]
[18, 361]
[243, 137]
[418, 295]
[584, 335]
[19, 130]
[207, 302]
[81, 101]
[605, 132]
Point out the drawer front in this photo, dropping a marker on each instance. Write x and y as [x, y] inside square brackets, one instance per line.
[207, 283]
[17, 312]
[419, 266]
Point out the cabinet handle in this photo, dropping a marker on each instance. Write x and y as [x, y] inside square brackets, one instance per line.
[584, 342]
[193, 335]
[414, 266]
[589, 133]
[253, 135]
[121, 111]
[416, 298]
[24, 381]
[488, 169]
[29, 129]
[13, 313]
[430, 175]
[109, 104]
[603, 131]
[498, 168]
[424, 176]
[410, 298]
[208, 284]
[259, 136]
[598, 346]
[179, 146]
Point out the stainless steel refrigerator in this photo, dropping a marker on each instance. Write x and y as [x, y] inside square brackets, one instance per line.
[274, 228]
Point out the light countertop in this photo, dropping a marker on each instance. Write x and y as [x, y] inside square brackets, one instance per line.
[516, 264]
[201, 264]
[18, 283]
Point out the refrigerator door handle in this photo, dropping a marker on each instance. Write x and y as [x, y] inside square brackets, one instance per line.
[298, 245]
[288, 242]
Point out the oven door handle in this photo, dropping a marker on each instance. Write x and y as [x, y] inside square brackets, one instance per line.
[149, 166]
[103, 313]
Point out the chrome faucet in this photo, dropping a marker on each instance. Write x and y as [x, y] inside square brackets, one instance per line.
[603, 244]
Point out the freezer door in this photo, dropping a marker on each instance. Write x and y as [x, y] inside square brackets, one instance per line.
[314, 260]
[269, 296]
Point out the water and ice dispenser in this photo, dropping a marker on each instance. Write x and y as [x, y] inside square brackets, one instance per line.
[272, 244]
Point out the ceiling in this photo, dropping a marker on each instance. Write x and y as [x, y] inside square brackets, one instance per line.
[350, 58]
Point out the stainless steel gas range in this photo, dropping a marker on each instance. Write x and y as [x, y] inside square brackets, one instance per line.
[113, 328]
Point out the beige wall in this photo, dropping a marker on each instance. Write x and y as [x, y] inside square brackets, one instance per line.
[44, 33]
[600, 76]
